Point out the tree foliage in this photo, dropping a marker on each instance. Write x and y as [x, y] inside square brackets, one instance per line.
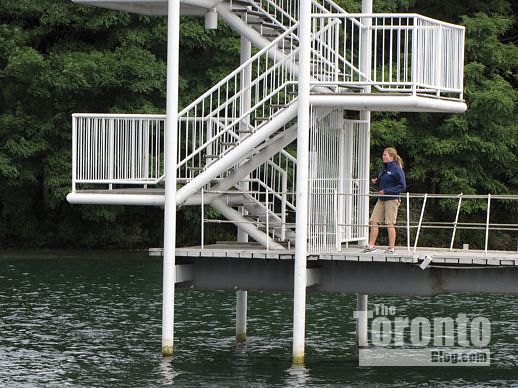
[57, 58]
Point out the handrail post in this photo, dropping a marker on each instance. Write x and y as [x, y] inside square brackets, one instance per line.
[438, 63]
[487, 222]
[414, 56]
[283, 209]
[420, 222]
[267, 220]
[337, 231]
[455, 222]
[74, 152]
[202, 219]
[111, 150]
[408, 222]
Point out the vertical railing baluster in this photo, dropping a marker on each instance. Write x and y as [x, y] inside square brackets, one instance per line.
[488, 212]
[420, 222]
[408, 221]
[456, 222]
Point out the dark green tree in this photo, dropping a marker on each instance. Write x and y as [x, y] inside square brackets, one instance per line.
[57, 58]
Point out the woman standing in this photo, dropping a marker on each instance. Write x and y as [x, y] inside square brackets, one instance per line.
[391, 182]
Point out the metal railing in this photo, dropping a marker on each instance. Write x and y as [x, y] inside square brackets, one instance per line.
[278, 175]
[414, 220]
[216, 122]
[275, 180]
[337, 164]
[272, 224]
[117, 149]
[285, 13]
[410, 53]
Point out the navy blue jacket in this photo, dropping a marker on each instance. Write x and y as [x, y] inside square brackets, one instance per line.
[391, 180]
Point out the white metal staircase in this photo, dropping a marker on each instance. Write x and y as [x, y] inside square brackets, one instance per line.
[234, 136]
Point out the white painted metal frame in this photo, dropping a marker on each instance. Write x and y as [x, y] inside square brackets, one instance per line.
[411, 53]
[338, 190]
[286, 12]
[325, 217]
[422, 223]
[212, 125]
[117, 149]
[301, 242]
[171, 138]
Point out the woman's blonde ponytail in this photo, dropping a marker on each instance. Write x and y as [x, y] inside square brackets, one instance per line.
[393, 153]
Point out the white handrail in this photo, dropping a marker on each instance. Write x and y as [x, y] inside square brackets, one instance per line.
[117, 149]
[411, 53]
[236, 72]
[222, 105]
[456, 222]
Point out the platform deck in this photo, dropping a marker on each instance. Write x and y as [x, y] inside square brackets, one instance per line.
[401, 255]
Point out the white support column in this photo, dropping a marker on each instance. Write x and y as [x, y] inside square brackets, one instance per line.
[362, 305]
[348, 153]
[170, 150]
[241, 309]
[365, 68]
[246, 79]
[242, 236]
[299, 290]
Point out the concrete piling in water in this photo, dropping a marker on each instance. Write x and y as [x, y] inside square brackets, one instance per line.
[241, 311]
[362, 320]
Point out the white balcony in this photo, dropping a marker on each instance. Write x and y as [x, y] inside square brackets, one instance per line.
[409, 57]
[109, 149]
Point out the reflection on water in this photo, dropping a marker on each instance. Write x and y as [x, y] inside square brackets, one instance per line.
[97, 321]
[297, 376]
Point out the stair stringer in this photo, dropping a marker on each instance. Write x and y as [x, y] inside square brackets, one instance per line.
[245, 225]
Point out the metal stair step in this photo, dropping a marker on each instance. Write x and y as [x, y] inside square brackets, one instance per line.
[241, 2]
[257, 13]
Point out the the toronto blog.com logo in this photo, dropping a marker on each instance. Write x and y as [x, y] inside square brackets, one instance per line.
[397, 340]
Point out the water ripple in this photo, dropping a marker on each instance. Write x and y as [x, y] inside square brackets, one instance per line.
[96, 321]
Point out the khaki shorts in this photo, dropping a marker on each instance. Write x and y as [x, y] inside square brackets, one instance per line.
[385, 211]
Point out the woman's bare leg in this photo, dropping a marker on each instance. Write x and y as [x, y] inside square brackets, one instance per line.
[373, 236]
[391, 236]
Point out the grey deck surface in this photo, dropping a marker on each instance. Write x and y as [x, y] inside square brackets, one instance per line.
[438, 255]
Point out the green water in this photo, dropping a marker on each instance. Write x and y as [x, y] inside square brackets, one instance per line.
[94, 319]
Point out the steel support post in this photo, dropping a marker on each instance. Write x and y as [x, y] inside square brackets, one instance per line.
[241, 310]
[299, 297]
[170, 150]
[246, 79]
[365, 115]
[362, 319]
[242, 236]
